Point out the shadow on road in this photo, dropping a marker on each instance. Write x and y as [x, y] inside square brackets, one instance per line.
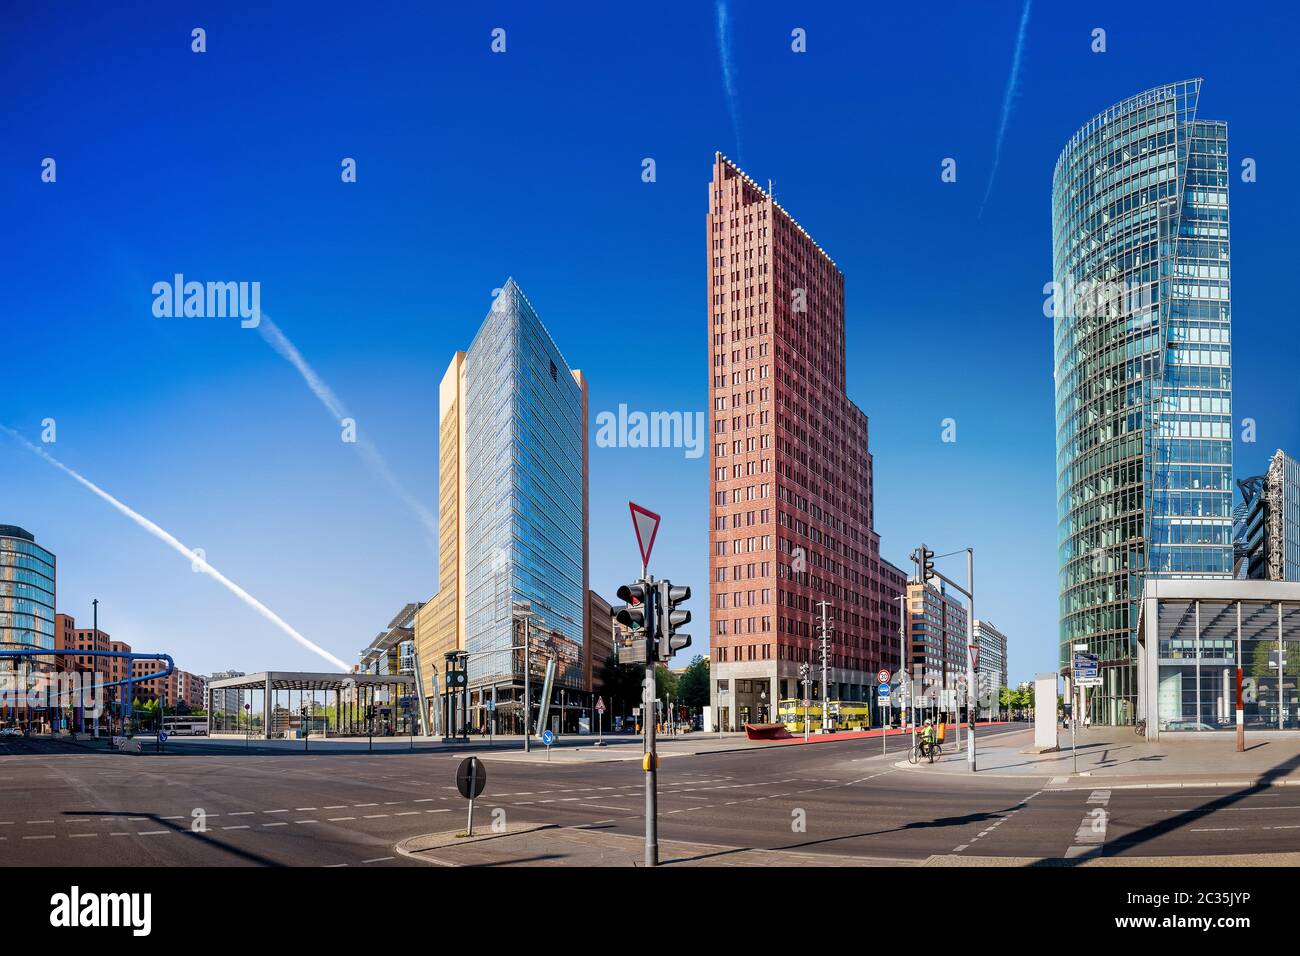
[202, 836]
[1182, 818]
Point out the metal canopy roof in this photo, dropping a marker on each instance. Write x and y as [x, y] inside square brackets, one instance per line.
[306, 680]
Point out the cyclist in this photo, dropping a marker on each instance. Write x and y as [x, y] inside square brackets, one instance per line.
[927, 737]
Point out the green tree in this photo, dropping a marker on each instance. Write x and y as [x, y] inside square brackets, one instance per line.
[693, 685]
[666, 684]
[1008, 699]
[1025, 699]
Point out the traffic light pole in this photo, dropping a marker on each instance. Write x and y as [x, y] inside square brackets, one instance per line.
[925, 571]
[650, 760]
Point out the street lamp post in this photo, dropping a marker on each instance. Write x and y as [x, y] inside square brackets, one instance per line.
[826, 697]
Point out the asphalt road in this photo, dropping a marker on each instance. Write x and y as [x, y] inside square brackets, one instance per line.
[64, 805]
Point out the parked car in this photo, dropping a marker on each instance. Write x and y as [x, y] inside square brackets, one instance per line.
[11, 732]
[1188, 725]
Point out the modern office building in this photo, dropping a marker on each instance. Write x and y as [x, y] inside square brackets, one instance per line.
[225, 701]
[1266, 529]
[790, 490]
[165, 690]
[513, 522]
[27, 577]
[72, 638]
[192, 690]
[600, 614]
[27, 619]
[1142, 322]
[893, 630]
[65, 627]
[1192, 637]
[992, 670]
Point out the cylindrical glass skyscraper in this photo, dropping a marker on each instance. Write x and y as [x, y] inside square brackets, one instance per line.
[1141, 311]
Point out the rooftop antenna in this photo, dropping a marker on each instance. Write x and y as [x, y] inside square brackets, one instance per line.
[771, 193]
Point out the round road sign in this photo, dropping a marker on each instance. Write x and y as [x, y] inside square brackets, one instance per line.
[471, 777]
[548, 738]
[882, 677]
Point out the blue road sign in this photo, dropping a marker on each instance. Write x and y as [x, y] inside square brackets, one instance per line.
[1085, 665]
[882, 690]
[162, 736]
[548, 738]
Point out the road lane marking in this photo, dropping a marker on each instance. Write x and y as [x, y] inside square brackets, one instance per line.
[1090, 838]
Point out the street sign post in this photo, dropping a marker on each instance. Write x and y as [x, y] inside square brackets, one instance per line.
[471, 778]
[548, 738]
[600, 716]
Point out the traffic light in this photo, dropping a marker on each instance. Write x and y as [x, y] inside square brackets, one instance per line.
[927, 563]
[670, 618]
[633, 614]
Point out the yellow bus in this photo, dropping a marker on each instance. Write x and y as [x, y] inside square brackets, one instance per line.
[845, 715]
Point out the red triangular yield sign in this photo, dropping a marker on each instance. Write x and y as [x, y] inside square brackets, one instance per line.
[974, 656]
[646, 525]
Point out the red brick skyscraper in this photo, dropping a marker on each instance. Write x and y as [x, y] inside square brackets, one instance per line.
[791, 488]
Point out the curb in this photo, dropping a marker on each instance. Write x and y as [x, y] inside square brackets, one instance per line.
[450, 839]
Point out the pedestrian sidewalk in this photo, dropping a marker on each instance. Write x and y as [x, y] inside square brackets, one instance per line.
[1118, 757]
[549, 845]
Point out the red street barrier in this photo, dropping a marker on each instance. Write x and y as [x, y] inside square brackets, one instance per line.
[766, 732]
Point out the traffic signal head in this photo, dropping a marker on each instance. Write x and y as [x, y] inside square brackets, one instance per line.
[671, 618]
[927, 563]
[632, 614]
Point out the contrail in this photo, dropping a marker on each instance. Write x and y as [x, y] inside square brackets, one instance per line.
[374, 460]
[728, 79]
[1013, 84]
[193, 558]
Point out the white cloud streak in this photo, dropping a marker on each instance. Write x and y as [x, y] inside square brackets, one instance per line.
[185, 552]
[728, 72]
[1013, 87]
[375, 461]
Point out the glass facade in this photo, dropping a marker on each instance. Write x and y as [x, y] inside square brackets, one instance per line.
[1199, 645]
[524, 536]
[26, 592]
[1142, 318]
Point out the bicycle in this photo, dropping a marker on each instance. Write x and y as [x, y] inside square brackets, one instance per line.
[922, 749]
[1141, 728]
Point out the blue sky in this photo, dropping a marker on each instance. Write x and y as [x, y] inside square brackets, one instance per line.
[474, 166]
